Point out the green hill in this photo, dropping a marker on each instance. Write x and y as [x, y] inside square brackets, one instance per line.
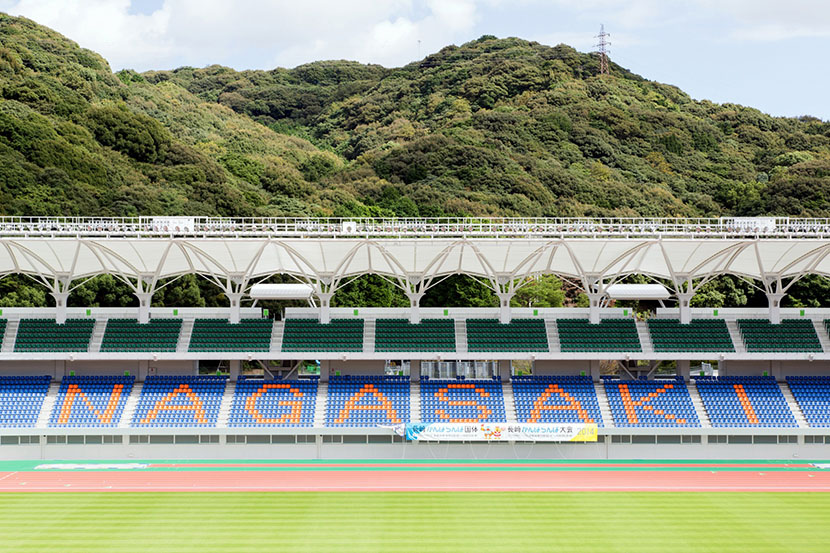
[514, 127]
[495, 126]
[75, 139]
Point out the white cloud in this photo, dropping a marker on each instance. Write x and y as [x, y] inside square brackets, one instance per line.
[773, 20]
[255, 33]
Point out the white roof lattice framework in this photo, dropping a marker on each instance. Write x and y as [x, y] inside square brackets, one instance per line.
[676, 259]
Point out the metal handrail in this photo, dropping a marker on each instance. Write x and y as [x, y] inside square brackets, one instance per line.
[479, 227]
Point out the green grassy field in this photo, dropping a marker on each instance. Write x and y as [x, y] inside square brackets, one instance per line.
[422, 522]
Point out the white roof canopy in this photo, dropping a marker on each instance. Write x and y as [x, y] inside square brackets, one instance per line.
[290, 291]
[329, 260]
[637, 292]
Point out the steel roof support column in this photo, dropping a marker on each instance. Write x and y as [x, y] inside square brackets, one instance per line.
[775, 293]
[684, 289]
[595, 290]
[144, 290]
[414, 306]
[59, 289]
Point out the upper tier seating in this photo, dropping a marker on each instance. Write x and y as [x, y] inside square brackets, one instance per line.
[258, 402]
[3, 323]
[517, 335]
[462, 401]
[129, 336]
[21, 398]
[579, 335]
[813, 396]
[699, 335]
[339, 335]
[87, 401]
[44, 335]
[792, 335]
[736, 401]
[367, 400]
[556, 399]
[221, 335]
[645, 403]
[428, 335]
[180, 401]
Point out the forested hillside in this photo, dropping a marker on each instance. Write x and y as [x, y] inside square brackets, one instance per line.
[492, 127]
[514, 127]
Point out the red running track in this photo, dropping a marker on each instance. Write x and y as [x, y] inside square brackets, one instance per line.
[404, 480]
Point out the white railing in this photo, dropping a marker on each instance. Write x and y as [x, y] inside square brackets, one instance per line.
[147, 227]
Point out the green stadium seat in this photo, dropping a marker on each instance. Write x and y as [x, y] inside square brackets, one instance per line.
[127, 335]
[45, 335]
[612, 335]
[700, 335]
[309, 335]
[517, 335]
[398, 335]
[791, 335]
[220, 335]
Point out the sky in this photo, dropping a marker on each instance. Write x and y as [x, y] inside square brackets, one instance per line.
[769, 54]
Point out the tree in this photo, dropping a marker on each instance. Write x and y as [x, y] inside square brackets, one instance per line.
[544, 291]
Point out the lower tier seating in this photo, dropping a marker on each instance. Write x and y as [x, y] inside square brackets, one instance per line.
[428, 335]
[556, 399]
[21, 398]
[45, 335]
[287, 403]
[579, 335]
[700, 335]
[517, 335]
[128, 335]
[648, 403]
[338, 335]
[813, 396]
[736, 401]
[190, 401]
[91, 401]
[221, 335]
[367, 401]
[792, 335]
[462, 401]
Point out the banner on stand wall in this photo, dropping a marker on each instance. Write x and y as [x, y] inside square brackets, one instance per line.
[500, 432]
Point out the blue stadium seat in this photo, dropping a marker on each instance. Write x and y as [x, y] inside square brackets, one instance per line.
[21, 398]
[813, 396]
[278, 403]
[461, 400]
[744, 401]
[356, 401]
[556, 399]
[650, 403]
[180, 401]
[93, 401]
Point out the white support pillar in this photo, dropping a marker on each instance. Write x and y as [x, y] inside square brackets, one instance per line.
[505, 370]
[415, 306]
[144, 299]
[774, 299]
[594, 366]
[684, 369]
[325, 306]
[235, 367]
[594, 303]
[60, 306]
[504, 306]
[234, 315]
[684, 300]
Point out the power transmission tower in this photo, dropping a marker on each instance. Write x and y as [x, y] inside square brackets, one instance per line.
[603, 50]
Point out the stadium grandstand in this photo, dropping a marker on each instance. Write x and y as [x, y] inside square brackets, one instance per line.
[324, 381]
